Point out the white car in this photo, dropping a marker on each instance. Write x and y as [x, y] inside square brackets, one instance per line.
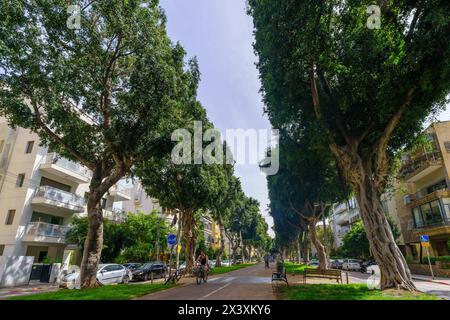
[225, 263]
[106, 274]
[351, 264]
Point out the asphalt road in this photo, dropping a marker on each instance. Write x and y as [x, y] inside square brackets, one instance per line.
[251, 283]
[440, 290]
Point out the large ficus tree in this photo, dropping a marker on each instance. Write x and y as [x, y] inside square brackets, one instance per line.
[190, 188]
[107, 94]
[307, 184]
[370, 88]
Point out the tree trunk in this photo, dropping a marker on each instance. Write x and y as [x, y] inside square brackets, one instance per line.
[323, 262]
[188, 235]
[222, 246]
[299, 254]
[395, 272]
[92, 246]
[94, 241]
[305, 247]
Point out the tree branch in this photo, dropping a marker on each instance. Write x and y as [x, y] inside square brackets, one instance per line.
[58, 140]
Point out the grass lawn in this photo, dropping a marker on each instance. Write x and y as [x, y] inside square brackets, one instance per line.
[110, 292]
[347, 292]
[221, 270]
[295, 268]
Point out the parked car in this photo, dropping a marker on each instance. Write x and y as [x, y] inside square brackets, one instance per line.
[365, 265]
[337, 264]
[226, 263]
[351, 264]
[211, 263]
[106, 274]
[132, 266]
[314, 262]
[144, 271]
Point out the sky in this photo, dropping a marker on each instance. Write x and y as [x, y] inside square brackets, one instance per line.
[220, 34]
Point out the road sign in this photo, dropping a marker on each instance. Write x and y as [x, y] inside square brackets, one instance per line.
[424, 240]
[172, 239]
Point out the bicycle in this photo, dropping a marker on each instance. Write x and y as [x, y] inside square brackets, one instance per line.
[174, 277]
[201, 274]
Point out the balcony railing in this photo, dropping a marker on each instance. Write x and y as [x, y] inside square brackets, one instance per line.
[60, 196]
[42, 229]
[53, 158]
[416, 165]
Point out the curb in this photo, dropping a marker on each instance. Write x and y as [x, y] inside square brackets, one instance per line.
[432, 281]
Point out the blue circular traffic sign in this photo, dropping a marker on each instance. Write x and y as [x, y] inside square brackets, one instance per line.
[172, 239]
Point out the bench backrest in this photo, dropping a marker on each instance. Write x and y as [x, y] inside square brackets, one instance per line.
[336, 273]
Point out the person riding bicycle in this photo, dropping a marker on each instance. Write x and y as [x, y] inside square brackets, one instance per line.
[202, 259]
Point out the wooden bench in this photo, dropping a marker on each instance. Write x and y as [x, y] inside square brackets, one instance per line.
[280, 274]
[332, 274]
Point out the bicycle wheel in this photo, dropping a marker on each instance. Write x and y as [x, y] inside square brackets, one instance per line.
[199, 277]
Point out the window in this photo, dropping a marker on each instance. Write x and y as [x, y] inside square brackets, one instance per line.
[437, 186]
[10, 217]
[30, 145]
[2, 249]
[427, 214]
[20, 180]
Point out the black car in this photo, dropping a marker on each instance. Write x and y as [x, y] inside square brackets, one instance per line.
[144, 271]
[132, 266]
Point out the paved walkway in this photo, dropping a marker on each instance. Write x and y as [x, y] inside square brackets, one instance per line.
[423, 284]
[26, 290]
[250, 283]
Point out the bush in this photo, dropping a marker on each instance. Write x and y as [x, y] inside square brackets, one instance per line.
[442, 258]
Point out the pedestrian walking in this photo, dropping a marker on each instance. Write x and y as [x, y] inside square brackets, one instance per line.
[266, 261]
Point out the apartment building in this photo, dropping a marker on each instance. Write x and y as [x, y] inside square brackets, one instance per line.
[422, 193]
[39, 194]
[343, 216]
[140, 201]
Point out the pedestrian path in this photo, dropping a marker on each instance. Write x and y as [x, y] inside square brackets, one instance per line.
[6, 293]
[444, 281]
[250, 283]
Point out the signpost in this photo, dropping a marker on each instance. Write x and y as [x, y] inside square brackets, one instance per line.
[425, 243]
[171, 242]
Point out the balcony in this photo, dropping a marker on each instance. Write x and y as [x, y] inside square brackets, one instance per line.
[347, 217]
[421, 166]
[438, 194]
[66, 169]
[120, 195]
[45, 233]
[57, 202]
[115, 215]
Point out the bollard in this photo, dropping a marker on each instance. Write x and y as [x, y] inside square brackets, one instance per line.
[151, 277]
[346, 276]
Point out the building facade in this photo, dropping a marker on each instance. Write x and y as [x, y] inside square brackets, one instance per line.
[343, 216]
[39, 194]
[423, 196]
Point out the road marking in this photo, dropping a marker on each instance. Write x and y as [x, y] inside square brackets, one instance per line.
[215, 291]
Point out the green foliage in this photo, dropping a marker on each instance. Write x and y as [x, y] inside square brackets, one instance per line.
[356, 244]
[131, 241]
[442, 258]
